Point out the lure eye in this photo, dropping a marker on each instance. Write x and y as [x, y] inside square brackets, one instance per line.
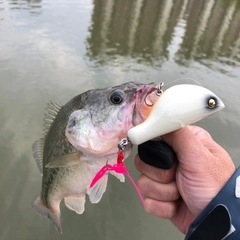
[116, 97]
[212, 102]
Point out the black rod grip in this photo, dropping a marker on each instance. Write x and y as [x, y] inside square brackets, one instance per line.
[157, 154]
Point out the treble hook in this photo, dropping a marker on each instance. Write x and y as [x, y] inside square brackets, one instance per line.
[159, 88]
[122, 144]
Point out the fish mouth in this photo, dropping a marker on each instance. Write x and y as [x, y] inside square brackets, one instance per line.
[145, 99]
[151, 96]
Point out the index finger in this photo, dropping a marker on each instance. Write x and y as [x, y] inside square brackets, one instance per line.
[156, 174]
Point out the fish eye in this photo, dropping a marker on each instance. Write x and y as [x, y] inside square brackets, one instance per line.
[117, 97]
[212, 102]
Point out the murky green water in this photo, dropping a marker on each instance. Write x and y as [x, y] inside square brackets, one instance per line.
[52, 50]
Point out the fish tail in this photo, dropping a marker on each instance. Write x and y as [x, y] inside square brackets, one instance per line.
[44, 211]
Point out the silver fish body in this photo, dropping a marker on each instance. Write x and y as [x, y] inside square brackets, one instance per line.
[81, 137]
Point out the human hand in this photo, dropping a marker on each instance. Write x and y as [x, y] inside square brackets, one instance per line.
[182, 192]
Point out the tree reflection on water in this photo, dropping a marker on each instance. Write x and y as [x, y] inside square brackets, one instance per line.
[204, 31]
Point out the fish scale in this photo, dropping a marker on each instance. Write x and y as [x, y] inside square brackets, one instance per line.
[55, 148]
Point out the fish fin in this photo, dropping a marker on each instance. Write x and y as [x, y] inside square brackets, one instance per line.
[75, 203]
[95, 193]
[120, 176]
[52, 111]
[37, 149]
[65, 161]
[42, 210]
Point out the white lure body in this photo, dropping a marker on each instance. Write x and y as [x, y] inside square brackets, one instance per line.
[177, 107]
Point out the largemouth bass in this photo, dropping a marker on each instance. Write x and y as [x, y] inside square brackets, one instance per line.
[80, 138]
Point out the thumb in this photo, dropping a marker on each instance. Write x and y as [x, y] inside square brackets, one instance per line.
[188, 145]
[198, 153]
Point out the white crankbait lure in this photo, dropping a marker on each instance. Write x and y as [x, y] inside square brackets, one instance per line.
[176, 107]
